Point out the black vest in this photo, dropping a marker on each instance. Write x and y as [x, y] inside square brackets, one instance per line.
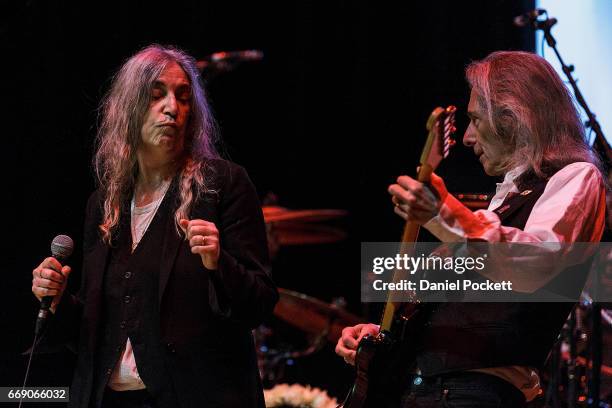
[463, 336]
[131, 309]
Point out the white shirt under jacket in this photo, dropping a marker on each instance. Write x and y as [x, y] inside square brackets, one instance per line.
[125, 375]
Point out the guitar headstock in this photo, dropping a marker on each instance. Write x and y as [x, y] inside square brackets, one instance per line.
[441, 127]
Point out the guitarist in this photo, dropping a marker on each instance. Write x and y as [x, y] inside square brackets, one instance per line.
[525, 128]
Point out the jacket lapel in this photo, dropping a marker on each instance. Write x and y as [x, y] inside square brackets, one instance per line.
[172, 241]
[99, 255]
[95, 266]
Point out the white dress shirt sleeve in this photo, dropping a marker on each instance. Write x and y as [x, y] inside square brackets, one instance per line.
[571, 209]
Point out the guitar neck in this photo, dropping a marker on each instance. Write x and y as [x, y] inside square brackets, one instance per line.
[411, 229]
[409, 237]
[440, 125]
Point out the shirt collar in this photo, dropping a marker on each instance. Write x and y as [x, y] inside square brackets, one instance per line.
[509, 178]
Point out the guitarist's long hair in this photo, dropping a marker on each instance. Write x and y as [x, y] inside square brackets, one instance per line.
[530, 111]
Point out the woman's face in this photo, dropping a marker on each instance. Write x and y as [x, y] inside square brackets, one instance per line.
[165, 122]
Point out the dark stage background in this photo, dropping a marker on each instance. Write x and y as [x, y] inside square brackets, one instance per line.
[332, 115]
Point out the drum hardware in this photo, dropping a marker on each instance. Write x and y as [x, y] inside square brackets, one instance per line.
[276, 360]
[572, 380]
[314, 316]
[322, 322]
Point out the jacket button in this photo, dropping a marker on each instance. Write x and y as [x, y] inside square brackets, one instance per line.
[127, 275]
[127, 299]
[109, 371]
[123, 324]
[170, 348]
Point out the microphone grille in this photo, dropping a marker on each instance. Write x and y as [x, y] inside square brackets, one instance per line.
[62, 246]
[520, 21]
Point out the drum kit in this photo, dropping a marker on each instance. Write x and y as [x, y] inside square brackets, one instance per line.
[321, 323]
[580, 364]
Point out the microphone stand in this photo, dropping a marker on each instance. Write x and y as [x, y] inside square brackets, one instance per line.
[601, 144]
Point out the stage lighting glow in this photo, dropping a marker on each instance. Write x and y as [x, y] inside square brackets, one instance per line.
[583, 36]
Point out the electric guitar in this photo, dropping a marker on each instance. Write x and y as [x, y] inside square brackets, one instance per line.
[383, 361]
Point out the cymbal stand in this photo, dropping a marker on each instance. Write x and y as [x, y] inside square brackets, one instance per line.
[571, 364]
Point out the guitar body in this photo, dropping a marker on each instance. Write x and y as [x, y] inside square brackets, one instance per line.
[375, 384]
[385, 362]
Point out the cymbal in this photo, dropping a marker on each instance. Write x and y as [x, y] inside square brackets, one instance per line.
[276, 214]
[305, 234]
[300, 227]
[313, 315]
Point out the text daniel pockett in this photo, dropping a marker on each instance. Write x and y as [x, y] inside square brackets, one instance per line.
[459, 284]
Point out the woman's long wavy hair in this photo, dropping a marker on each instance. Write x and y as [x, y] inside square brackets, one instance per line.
[530, 112]
[122, 113]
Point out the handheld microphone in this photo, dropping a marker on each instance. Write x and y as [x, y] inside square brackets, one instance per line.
[530, 18]
[61, 249]
[236, 56]
[227, 60]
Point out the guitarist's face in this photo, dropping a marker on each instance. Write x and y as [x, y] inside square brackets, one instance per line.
[478, 135]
